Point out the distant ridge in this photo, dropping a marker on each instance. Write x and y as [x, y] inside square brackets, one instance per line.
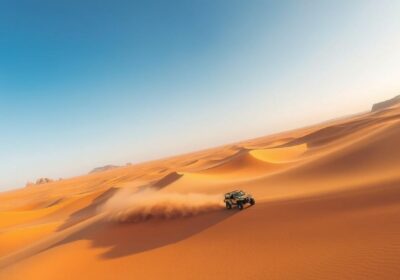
[40, 181]
[103, 168]
[386, 104]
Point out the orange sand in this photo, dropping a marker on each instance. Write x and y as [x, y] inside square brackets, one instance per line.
[328, 207]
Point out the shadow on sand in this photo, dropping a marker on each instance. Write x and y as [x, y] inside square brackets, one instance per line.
[125, 238]
[88, 211]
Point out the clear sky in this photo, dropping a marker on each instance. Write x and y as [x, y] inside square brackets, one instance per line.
[84, 83]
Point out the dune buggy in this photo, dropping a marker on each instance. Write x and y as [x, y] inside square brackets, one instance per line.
[238, 198]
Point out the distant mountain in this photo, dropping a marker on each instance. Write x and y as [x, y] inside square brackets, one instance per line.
[39, 181]
[386, 104]
[103, 168]
[43, 181]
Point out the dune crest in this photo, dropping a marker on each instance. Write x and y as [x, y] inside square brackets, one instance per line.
[241, 164]
[280, 155]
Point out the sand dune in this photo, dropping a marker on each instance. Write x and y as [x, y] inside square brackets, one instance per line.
[280, 155]
[328, 206]
[242, 163]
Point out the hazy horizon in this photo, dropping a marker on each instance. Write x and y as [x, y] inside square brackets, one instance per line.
[179, 153]
[89, 84]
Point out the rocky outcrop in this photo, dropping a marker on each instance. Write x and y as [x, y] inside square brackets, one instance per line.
[43, 181]
[39, 181]
[386, 104]
[103, 168]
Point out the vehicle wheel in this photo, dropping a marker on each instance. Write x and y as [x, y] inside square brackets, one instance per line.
[240, 206]
[228, 205]
[252, 201]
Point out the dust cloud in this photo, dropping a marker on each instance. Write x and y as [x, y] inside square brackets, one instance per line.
[125, 206]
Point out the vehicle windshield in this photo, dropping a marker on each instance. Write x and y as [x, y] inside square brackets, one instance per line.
[237, 194]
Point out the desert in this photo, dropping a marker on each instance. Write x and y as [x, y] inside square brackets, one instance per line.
[328, 207]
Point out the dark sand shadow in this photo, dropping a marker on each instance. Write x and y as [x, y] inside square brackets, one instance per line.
[91, 210]
[124, 239]
[88, 211]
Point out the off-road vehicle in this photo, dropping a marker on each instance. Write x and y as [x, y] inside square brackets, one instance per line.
[238, 198]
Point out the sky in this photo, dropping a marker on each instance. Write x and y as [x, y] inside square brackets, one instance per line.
[85, 83]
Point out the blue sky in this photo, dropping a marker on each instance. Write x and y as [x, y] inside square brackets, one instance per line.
[87, 83]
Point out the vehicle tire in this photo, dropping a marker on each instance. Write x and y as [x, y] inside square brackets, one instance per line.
[240, 206]
[228, 205]
[252, 201]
